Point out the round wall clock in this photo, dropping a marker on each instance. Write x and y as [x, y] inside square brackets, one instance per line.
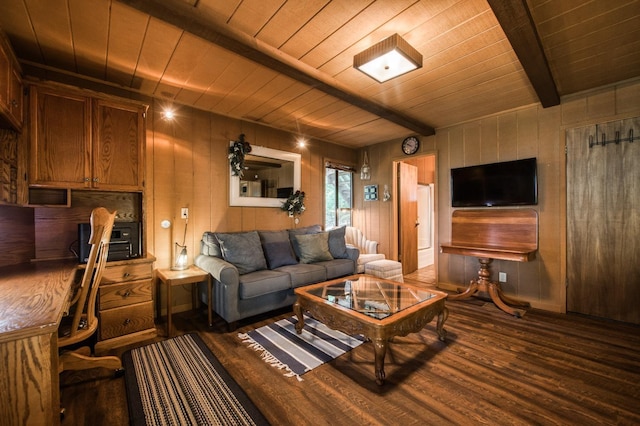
[410, 145]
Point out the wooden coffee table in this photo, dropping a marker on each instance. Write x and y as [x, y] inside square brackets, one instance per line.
[377, 308]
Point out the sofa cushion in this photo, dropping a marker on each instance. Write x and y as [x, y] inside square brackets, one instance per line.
[314, 247]
[263, 282]
[337, 268]
[305, 273]
[314, 229]
[277, 248]
[210, 245]
[337, 243]
[243, 250]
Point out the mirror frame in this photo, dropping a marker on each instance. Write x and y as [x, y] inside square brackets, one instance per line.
[236, 200]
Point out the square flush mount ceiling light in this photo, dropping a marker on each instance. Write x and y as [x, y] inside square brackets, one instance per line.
[388, 59]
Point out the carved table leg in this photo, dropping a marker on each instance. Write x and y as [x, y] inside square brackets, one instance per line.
[380, 348]
[495, 292]
[442, 317]
[297, 310]
[483, 283]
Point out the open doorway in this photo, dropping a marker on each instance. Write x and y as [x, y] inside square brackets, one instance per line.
[425, 225]
[415, 219]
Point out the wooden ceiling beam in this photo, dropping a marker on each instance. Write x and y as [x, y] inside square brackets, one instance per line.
[185, 17]
[516, 21]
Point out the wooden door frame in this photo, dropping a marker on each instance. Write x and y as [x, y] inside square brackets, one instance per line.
[395, 241]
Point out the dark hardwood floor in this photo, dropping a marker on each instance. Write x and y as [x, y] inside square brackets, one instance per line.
[543, 369]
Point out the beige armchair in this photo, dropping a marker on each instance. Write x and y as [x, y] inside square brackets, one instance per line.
[368, 248]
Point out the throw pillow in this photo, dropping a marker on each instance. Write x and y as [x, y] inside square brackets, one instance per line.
[277, 248]
[337, 243]
[242, 249]
[314, 247]
[210, 245]
[314, 229]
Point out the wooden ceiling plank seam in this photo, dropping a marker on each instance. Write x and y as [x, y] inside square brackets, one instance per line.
[186, 58]
[167, 64]
[288, 20]
[53, 33]
[251, 15]
[264, 94]
[127, 29]
[587, 15]
[178, 16]
[343, 38]
[248, 88]
[516, 21]
[296, 107]
[322, 25]
[231, 83]
[90, 36]
[20, 30]
[283, 97]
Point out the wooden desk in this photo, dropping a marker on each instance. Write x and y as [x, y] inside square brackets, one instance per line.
[33, 298]
[193, 275]
[504, 234]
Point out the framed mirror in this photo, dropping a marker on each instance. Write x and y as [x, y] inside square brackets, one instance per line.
[270, 177]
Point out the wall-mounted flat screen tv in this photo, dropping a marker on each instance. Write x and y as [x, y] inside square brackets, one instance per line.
[509, 183]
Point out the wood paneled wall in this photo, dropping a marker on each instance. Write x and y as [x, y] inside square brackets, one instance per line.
[187, 166]
[527, 132]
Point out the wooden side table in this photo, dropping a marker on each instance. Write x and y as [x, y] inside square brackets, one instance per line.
[193, 275]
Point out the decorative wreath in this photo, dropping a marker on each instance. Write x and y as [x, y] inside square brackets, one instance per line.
[294, 205]
[237, 151]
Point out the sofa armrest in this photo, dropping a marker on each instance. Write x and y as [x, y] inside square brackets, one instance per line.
[353, 253]
[219, 269]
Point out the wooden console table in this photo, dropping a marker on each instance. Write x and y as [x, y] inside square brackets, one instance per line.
[503, 234]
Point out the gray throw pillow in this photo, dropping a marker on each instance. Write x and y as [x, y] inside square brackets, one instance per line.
[337, 243]
[210, 245]
[277, 248]
[314, 247]
[243, 250]
[314, 229]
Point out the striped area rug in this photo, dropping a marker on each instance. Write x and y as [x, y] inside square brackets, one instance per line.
[180, 382]
[296, 353]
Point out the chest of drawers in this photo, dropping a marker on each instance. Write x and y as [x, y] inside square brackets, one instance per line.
[125, 306]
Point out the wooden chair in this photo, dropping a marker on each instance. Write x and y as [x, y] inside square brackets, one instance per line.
[81, 322]
[368, 248]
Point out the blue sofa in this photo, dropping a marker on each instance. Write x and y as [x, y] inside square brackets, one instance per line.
[256, 272]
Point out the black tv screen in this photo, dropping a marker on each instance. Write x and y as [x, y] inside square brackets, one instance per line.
[509, 183]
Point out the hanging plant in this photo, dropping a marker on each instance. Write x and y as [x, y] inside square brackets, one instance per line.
[237, 151]
[294, 205]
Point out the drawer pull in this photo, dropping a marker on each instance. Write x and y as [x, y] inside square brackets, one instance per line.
[127, 321]
[126, 294]
[126, 275]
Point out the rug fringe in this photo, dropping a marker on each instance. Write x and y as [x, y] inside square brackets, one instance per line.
[267, 357]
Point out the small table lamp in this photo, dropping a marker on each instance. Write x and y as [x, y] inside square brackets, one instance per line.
[180, 253]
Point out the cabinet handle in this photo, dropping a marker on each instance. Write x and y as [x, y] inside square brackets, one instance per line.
[14, 103]
[126, 275]
[126, 294]
[86, 179]
[95, 179]
[127, 321]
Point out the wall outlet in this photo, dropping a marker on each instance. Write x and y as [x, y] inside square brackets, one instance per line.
[502, 277]
[184, 213]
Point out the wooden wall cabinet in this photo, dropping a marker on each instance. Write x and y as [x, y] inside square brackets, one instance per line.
[11, 102]
[81, 142]
[126, 303]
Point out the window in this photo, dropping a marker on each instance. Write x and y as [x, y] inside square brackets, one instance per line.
[338, 193]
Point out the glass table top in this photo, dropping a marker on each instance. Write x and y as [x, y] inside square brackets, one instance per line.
[370, 296]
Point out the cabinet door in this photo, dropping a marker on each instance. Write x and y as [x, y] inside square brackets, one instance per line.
[60, 139]
[5, 67]
[15, 98]
[118, 145]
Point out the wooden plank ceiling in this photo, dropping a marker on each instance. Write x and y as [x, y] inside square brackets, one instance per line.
[288, 63]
